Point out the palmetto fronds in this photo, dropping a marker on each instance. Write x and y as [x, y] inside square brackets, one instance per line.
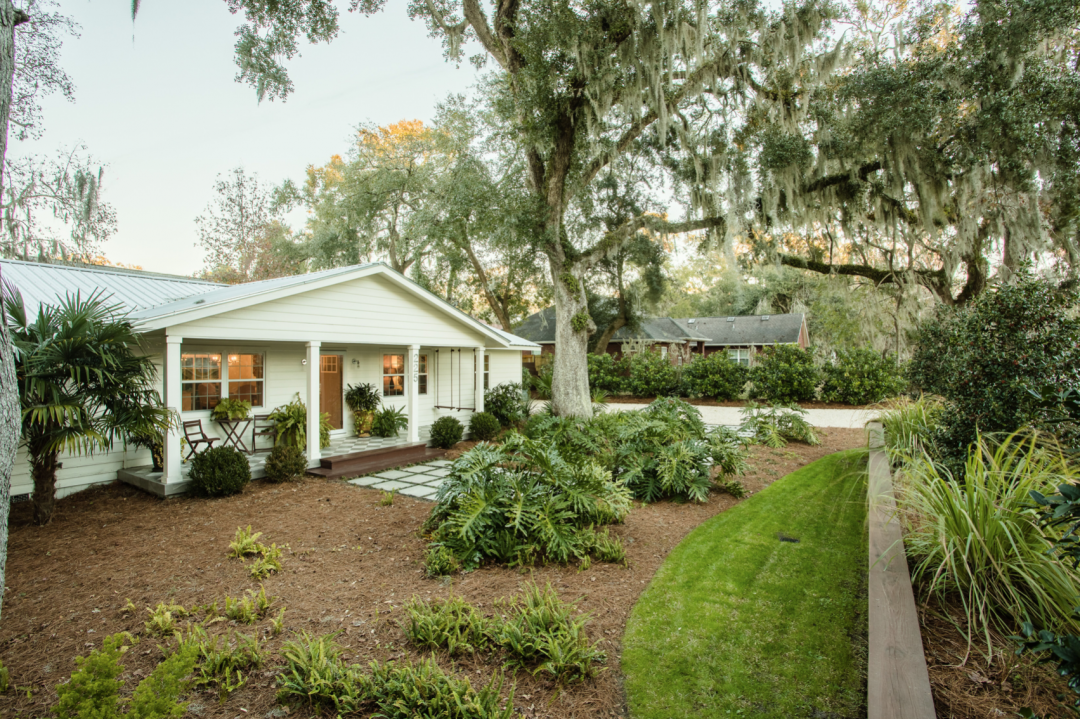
[773, 426]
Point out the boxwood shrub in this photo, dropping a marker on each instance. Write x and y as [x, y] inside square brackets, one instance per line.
[785, 373]
[861, 376]
[484, 427]
[285, 463]
[219, 472]
[653, 375]
[607, 373]
[446, 432]
[715, 376]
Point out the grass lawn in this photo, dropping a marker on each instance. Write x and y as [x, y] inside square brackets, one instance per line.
[739, 623]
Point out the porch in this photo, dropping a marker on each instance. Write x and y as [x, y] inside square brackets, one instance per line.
[154, 482]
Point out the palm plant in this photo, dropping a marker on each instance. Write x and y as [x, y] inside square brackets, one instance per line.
[83, 385]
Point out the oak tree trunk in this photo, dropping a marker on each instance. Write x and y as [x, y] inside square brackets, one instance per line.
[570, 382]
[10, 423]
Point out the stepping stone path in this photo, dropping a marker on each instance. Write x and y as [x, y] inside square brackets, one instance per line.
[421, 481]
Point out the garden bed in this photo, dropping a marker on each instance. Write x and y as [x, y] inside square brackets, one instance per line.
[349, 566]
[702, 402]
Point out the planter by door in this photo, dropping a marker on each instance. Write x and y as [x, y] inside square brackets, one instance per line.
[330, 388]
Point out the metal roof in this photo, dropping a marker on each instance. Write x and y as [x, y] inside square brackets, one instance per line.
[132, 289]
[221, 294]
[714, 331]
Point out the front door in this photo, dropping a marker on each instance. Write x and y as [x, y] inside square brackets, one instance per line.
[330, 394]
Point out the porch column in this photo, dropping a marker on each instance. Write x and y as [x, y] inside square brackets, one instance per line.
[478, 398]
[314, 453]
[412, 395]
[174, 401]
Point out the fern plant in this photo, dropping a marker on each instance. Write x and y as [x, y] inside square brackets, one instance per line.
[775, 425]
[389, 421]
[520, 502]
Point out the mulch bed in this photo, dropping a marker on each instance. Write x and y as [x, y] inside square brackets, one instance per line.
[349, 566]
[970, 682]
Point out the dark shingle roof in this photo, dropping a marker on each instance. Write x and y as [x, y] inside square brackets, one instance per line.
[745, 330]
[716, 331]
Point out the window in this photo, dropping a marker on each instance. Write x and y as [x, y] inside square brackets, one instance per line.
[200, 378]
[422, 374]
[487, 368]
[740, 356]
[246, 378]
[393, 381]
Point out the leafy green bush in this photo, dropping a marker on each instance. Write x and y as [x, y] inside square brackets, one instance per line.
[715, 376]
[519, 502]
[784, 373]
[94, 689]
[607, 373]
[219, 472]
[285, 463]
[909, 427]
[290, 424]
[446, 432]
[541, 633]
[228, 408]
[507, 403]
[861, 376]
[653, 375]
[316, 673]
[440, 561]
[363, 397]
[483, 426]
[774, 426]
[389, 421]
[541, 383]
[662, 451]
[989, 356]
[978, 538]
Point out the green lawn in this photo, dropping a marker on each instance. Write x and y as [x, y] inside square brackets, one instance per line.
[738, 623]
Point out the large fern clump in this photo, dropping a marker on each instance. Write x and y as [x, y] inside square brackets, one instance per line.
[521, 502]
[774, 426]
[661, 452]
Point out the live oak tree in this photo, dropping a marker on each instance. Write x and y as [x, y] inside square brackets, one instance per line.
[576, 86]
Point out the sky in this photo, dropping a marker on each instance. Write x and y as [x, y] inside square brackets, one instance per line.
[157, 104]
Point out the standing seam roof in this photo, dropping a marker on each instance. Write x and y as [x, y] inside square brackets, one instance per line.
[133, 290]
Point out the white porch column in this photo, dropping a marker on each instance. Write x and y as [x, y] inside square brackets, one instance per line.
[314, 452]
[412, 395]
[174, 401]
[478, 399]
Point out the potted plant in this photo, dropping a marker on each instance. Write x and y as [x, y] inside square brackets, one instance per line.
[290, 421]
[363, 400]
[227, 409]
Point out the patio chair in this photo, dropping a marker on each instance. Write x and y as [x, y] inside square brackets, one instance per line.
[263, 427]
[193, 433]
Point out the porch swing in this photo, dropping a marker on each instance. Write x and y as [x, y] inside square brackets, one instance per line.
[438, 374]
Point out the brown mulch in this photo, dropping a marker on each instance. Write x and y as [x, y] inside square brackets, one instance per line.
[970, 682]
[701, 402]
[349, 565]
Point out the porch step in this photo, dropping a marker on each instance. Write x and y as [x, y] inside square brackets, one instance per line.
[375, 460]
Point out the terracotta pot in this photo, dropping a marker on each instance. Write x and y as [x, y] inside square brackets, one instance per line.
[362, 422]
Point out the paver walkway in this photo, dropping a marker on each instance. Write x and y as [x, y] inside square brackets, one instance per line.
[420, 480]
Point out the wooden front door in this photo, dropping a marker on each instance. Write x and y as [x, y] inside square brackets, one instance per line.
[330, 394]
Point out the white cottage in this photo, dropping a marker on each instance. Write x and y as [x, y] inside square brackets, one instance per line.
[265, 342]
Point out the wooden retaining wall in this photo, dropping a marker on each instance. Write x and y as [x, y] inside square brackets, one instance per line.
[898, 684]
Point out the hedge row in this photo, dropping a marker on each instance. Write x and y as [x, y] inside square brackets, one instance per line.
[783, 373]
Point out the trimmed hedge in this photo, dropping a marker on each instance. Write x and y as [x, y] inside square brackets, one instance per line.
[715, 376]
[861, 376]
[785, 373]
[607, 373]
[653, 375]
[285, 463]
[219, 472]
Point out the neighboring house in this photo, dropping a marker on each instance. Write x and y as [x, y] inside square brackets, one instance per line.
[311, 334]
[680, 339]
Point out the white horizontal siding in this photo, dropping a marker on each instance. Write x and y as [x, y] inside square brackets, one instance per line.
[366, 310]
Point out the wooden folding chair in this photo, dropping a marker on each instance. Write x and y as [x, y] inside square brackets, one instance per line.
[193, 433]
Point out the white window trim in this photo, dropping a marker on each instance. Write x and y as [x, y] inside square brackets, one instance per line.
[383, 375]
[224, 353]
[425, 357]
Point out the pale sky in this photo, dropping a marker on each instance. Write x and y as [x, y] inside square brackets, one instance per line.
[157, 103]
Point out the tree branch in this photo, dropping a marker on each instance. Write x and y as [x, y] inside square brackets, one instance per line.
[476, 17]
